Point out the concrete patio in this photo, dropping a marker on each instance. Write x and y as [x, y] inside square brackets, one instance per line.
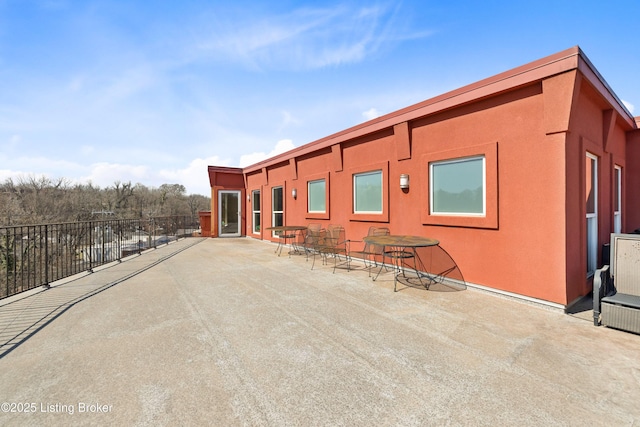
[224, 332]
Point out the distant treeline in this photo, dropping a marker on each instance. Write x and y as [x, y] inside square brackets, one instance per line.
[39, 200]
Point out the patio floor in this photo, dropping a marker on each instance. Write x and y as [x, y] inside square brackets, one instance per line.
[224, 332]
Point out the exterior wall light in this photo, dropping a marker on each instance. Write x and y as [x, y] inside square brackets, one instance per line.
[404, 181]
[294, 193]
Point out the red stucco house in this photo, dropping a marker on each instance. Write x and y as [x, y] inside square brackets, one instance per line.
[521, 177]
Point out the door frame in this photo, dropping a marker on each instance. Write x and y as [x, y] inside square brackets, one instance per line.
[238, 194]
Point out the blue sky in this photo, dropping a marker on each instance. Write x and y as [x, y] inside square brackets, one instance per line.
[154, 91]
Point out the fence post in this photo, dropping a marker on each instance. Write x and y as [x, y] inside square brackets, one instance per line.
[103, 248]
[90, 251]
[46, 257]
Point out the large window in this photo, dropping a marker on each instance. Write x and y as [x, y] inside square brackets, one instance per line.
[277, 207]
[591, 201]
[255, 211]
[316, 196]
[367, 192]
[617, 200]
[458, 187]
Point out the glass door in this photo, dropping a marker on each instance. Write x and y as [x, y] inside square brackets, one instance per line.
[229, 213]
[592, 212]
[617, 199]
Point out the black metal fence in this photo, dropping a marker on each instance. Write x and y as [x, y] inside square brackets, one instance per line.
[37, 255]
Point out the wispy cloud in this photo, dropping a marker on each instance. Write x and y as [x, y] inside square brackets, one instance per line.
[629, 106]
[287, 120]
[307, 38]
[371, 114]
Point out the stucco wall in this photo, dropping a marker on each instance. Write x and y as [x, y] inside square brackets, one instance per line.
[520, 251]
[632, 181]
[595, 129]
[533, 125]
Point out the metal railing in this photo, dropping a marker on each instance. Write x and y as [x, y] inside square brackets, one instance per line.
[37, 255]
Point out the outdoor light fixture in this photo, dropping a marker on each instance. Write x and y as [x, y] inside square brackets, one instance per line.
[404, 181]
[294, 193]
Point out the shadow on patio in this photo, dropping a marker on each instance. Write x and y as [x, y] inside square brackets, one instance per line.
[24, 315]
[227, 333]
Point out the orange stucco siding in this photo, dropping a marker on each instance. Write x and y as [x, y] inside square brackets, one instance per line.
[631, 201]
[533, 127]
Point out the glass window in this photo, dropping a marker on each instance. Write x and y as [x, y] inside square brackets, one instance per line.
[458, 187]
[255, 208]
[277, 207]
[316, 198]
[367, 192]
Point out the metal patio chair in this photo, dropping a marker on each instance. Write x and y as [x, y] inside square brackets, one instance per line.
[334, 245]
[311, 239]
[370, 253]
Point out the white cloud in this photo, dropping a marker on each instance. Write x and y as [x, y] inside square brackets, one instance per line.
[281, 147]
[629, 106]
[105, 174]
[306, 38]
[194, 177]
[371, 114]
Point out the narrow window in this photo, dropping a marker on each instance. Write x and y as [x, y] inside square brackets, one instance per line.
[617, 200]
[255, 210]
[277, 207]
[316, 199]
[458, 187]
[591, 201]
[367, 192]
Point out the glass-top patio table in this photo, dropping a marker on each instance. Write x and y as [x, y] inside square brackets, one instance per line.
[401, 247]
[284, 233]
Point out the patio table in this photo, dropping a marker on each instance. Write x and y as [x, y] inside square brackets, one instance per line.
[284, 233]
[399, 248]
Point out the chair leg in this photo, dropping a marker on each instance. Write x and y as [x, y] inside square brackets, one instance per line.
[347, 260]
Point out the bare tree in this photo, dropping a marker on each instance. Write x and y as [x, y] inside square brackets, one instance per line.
[33, 200]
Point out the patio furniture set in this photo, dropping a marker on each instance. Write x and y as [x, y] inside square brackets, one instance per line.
[379, 250]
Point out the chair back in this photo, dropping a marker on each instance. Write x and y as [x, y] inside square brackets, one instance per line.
[380, 231]
[314, 227]
[376, 231]
[314, 237]
[335, 237]
[625, 263]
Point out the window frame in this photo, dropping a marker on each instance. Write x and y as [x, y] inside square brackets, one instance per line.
[365, 216]
[324, 196]
[273, 211]
[432, 194]
[377, 172]
[255, 212]
[327, 191]
[490, 218]
[592, 217]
